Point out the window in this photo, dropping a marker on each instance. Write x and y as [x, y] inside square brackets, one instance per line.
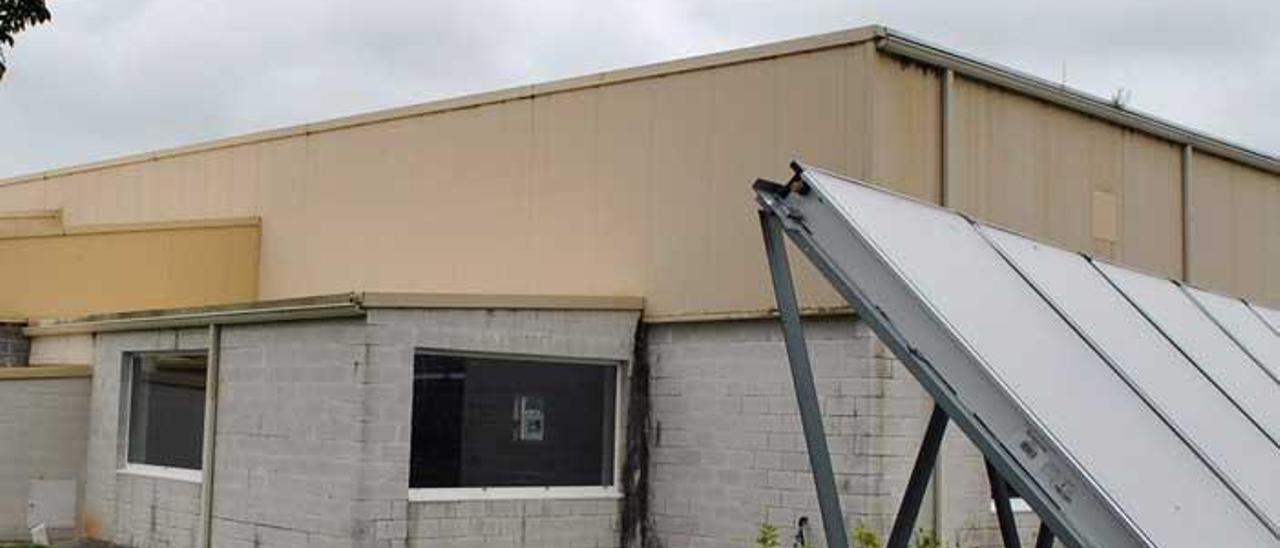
[482, 422]
[166, 409]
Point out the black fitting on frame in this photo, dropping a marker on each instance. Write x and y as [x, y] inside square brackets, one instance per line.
[766, 186]
[797, 183]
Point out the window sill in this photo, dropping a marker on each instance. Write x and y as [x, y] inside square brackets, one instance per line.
[162, 472]
[511, 493]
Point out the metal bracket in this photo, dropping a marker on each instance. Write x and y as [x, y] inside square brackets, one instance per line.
[1004, 511]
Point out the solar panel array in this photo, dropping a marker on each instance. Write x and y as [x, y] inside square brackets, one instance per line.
[1166, 398]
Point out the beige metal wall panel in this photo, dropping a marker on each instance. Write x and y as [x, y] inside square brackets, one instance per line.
[637, 182]
[1151, 205]
[1235, 229]
[907, 127]
[601, 190]
[1079, 182]
[106, 271]
[30, 222]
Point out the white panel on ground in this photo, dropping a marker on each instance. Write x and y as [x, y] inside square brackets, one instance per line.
[1122, 444]
[1271, 316]
[1244, 326]
[1207, 418]
[1208, 346]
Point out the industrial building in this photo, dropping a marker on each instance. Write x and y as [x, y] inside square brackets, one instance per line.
[542, 316]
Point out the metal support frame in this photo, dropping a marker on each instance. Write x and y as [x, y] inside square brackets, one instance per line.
[923, 342]
[1044, 537]
[926, 459]
[802, 377]
[1004, 511]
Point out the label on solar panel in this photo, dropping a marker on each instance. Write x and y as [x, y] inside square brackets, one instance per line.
[1110, 453]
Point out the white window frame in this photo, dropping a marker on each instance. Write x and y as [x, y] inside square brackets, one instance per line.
[138, 469]
[188, 475]
[622, 378]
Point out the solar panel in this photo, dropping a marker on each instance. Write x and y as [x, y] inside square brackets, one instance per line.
[1206, 418]
[1245, 326]
[1169, 308]
[1110, 454]
[1271, 316]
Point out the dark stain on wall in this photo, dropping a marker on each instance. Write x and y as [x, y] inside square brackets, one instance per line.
[636, 528]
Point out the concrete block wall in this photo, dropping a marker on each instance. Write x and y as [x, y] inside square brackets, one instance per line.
[514, 523]
[14, 346]
[152, 511]
[44, 426]
[127, 508]
[312, 442]
[290, 436]
[395, 334]
[729, 453]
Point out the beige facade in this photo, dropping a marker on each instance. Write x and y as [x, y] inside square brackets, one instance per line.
[80, 270]
[636, 183]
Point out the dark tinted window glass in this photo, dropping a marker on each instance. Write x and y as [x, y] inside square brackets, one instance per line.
[491, 422]
[166, 409]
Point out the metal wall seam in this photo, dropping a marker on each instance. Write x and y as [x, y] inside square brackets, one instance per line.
[1188, 154]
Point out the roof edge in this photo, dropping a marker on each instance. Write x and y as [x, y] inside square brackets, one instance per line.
[500, 301]
[663, 68]
[341, 305]
[903, 45]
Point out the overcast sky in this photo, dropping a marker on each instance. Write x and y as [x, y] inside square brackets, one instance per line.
[108, 78]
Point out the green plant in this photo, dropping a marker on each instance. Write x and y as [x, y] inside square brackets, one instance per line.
[864, 537]
[928, 539]
[768, 537]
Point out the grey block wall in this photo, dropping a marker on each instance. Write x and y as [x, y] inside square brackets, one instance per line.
[14, 346]
[729, 453]
[127, 508]
[313, 436]
[43, 431]
[291, 435]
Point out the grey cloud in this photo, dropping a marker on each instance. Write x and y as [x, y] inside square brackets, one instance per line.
[110, 78]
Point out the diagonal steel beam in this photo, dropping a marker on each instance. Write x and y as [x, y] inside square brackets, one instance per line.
[802, 377]
[926, 458]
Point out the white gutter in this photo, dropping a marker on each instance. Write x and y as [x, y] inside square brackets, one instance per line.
[347, 307]
[902, 45]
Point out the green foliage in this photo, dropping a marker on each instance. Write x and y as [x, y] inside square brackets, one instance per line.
[927, 539]
[864, 537]
[17, 15]
[768, 537]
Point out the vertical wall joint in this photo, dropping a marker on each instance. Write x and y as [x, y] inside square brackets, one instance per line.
[946, 138]
[1187, 217]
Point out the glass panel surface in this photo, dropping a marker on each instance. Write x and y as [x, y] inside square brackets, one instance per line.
[166, 409]
[492, 422]
[1272, 317]
[1204, 342]
[1204, 414]
[1120, 442]
[1244, 326]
